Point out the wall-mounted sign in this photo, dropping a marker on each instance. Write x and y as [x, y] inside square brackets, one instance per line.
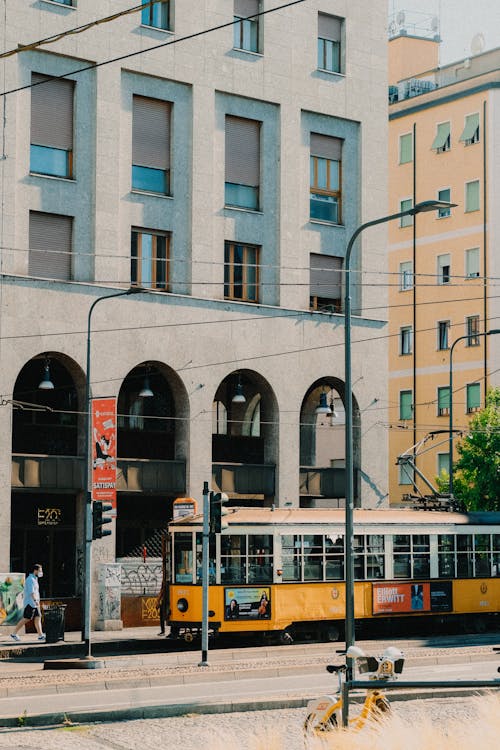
[184, 506]
[103, 442]
[48, 516]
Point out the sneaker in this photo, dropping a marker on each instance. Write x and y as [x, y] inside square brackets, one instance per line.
[41, 637]
[15, 637]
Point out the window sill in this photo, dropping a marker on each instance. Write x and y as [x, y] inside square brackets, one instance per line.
[154, 28]
[59, 5]
[471, 210]
[439, 218]
[405, 354]
[244, 210]
[407, 289]
[248, 52]
[326, 223]
[334, 73]
[135, 191]
[72, 180]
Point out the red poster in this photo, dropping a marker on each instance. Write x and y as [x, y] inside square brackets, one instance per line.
[103, 442]
[401, 598]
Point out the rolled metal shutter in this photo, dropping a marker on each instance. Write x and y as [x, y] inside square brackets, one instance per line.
[245, 8]
[52, 112]
[326, 146]
[325, 276]
[329, 27]
[242, 151]
[151, 133]
[50, 239]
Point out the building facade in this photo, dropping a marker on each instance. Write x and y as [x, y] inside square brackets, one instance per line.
[443, 145]
[219, 161]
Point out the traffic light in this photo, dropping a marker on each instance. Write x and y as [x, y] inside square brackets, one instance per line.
[217, 501]
[98, 520]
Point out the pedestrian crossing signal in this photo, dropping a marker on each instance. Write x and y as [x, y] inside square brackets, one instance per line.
[99, 520]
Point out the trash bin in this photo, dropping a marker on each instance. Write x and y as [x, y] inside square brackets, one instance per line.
[53, 622]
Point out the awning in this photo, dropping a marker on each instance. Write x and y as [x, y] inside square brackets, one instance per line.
[471, 126]
[443, 133]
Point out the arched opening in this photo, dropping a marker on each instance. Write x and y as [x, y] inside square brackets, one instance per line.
[245, 438]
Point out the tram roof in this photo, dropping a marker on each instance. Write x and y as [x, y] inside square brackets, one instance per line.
[331, 516]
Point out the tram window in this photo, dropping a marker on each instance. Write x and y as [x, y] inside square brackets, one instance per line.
[495, 562]
[375, 567]
[464, 542]
[183, 558]
[199, 559]
[313, 557]
[402, 566]
[421, 566]
[233, 558]
[334, 557]
[446, 556]
[291, 557]
[420, 542]
[401, 542]
[483, 564]
[260, 558]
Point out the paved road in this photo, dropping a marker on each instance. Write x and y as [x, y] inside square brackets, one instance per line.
[276, 677]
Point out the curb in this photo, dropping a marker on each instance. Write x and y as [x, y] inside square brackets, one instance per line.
[182, 709]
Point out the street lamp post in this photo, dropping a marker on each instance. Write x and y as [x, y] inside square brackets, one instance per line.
[86, 630]
[492, 332]
[422, 207]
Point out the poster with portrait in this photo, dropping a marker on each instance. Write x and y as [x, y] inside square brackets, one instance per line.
[103, 447]
[406, 598]
[253, 603]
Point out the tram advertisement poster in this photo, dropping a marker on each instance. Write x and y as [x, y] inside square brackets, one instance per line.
[247, 603]
[389, 598]
[103, 441]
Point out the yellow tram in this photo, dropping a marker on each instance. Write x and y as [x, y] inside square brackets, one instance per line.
[280, 572]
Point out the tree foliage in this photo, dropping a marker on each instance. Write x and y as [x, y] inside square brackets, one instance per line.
[476, 474]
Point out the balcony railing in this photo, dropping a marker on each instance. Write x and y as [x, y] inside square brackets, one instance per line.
[322, 482]
[244, 479]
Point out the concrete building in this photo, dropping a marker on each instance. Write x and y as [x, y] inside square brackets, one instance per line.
[220, 163]
[443, 144]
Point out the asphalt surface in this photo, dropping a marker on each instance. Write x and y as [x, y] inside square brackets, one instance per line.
[132, 683]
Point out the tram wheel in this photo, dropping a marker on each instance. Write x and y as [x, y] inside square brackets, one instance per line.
[330, 634]
[285, 637]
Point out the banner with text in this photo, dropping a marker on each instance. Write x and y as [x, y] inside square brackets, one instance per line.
[103, 442]
[388, 598]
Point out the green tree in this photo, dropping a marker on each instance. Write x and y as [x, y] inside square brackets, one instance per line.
[476, 474]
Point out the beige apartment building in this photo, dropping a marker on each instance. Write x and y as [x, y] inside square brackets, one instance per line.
[218, 160]
[443, 266]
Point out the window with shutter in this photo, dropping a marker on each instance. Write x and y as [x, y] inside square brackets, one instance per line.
[242, 163]
[470, 133]
[151, 145]
[51, 142]
[444, 195]
[442, 141]
[50, 240]
[405, 205]
[325, 282]
[443, 334]
[156, 14]
[241, 272]
[326, 178]
[444, 269]
[472, 330]
[406, 275]
[405, 338]
[330, 43]
[405, 405]
[473, 397]
[150, 254]
[472, 263]
[443, 401]
[245, 29]
[405, 148]
[472, 196]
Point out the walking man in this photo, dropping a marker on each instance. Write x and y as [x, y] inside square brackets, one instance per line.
[31, 604]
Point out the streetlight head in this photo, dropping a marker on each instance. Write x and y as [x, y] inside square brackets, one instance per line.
[493, 331]
[426, 206]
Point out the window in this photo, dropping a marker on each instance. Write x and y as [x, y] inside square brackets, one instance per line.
[470, 133]
[443, 269]
[444, 195]
[325, 282]
[151, 145]
[51, 149]
[405, 338]
[405, 405]
[405, 205]
[246, 30]
[411, 557]
[405, 475]
[50, 240]
[472, 196]
[472, 263]
[443, 464]
[406, 275]
[368, 556]
[241, 272]
[443, 334]
[325, 178]
[443, 400]
[329, 43]
[242, 163]
[472, 330]
[150, 253]
[405, 148]
[442, 140]
[156, 15]
[473, 397]
[63, 2]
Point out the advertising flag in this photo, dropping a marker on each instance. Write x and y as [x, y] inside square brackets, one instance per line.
[103, 445]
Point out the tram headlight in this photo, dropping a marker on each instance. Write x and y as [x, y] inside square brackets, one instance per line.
[182, 605]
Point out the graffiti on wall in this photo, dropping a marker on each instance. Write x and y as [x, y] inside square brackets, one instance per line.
[141, 578]
[11, 597]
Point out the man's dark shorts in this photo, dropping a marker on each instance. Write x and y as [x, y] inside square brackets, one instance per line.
[31, 612]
